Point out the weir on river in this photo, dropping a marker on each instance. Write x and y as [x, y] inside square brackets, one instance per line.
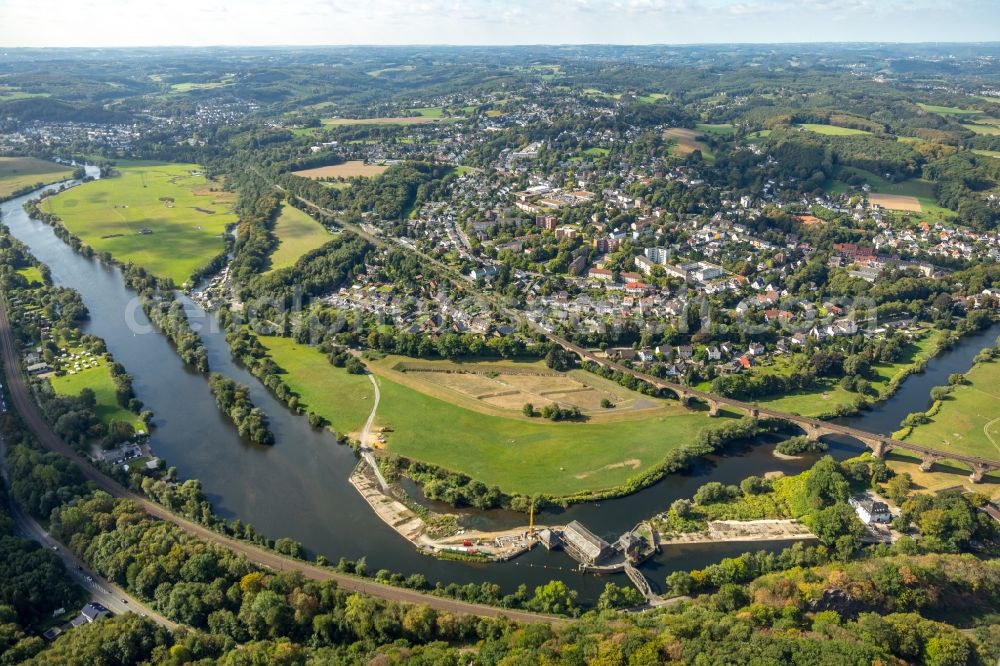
[299, 487]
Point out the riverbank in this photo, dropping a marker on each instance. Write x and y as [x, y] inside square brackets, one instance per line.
[830, 400]
[497, 546]
[719, 531]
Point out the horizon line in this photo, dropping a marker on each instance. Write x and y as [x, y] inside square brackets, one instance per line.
[510, 45]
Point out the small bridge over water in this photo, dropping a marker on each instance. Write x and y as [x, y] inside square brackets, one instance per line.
[880, 445]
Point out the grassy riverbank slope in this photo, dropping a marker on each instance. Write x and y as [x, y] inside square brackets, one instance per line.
[167, 218]
[519, 454]
[968, 420]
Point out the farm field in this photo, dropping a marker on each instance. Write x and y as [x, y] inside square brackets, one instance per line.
[343, 170]
[518, 454]
[896, 202]
[969, 419]
[17, 173]
[905, 195]
[829, 396]
[164, 217]
[832, 130]
[395, 120]
[99, 380]
[686, 142]
[297, 234]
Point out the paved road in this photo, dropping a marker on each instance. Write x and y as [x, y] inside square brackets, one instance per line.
[111, 596]
[24, 403]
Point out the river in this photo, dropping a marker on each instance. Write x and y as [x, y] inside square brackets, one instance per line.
[298, 488]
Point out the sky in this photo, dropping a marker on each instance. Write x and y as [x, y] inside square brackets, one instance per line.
[336, 22]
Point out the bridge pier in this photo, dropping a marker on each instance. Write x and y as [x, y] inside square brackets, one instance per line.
[979, 470]
[927, 462]
[753, 412]
[713, 408]
[879, 447]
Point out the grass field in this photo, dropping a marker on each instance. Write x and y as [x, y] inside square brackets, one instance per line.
[988, 153]
[343, 170]
[428, 111]
[969, 419]
[32, 274]
[991, 128]
[943, 476]
[651, 98]
[11, 93]
[163, 217]
[386, 70]
[518, 454]
[596, 151]
[829, 395]
[947, 110]
[297, 234]
[503, 387]
[98, 379]
[832, 130]
[723, 128]
[17, 173]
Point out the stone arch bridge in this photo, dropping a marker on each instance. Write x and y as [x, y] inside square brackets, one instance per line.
[880, 445]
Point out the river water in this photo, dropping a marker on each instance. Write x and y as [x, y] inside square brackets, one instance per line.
[298, 488]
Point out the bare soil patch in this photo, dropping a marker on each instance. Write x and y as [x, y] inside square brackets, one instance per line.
[896, 202]
[343, 170]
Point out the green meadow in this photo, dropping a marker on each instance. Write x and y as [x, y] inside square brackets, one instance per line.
[968, 421]
[832, 130]
[99, 380]
[32, 275]
[518, 454]
[167, 218]
[17, 173]
[947, 110]
[991, 129]
[651, 98]
[297, 234]
[722, 128]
